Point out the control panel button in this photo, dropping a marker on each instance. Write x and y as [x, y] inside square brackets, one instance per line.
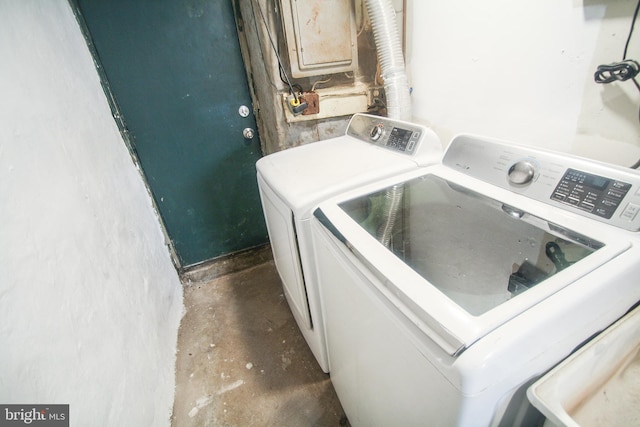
[629, 213]
[521, 173]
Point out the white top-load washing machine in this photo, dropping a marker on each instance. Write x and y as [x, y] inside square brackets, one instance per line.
[502, 261]
[292, 183]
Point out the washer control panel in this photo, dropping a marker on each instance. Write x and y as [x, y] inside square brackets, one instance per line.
[591, 193]
[604, 192]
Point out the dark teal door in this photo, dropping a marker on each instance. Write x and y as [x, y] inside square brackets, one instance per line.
[175, 70]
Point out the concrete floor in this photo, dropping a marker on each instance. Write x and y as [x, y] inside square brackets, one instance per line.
[241, 358]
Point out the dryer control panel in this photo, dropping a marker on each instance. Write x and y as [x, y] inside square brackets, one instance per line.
[402, 137]
[604, 192]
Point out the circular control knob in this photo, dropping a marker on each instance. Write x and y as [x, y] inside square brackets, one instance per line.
[521, 173]
[377, 131]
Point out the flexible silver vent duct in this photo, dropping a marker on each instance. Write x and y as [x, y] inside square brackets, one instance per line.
[393, 198]
[389, 47]
[396, 88]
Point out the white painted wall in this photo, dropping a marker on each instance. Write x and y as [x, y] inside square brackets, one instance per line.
[89, 300]
[523, 71]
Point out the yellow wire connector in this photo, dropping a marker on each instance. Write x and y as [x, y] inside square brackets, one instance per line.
[296, 105]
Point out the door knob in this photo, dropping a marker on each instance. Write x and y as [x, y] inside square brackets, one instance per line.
[243, 111]
[248, 133]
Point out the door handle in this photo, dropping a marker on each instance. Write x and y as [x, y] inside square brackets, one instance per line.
[243, 111]
[248, 133]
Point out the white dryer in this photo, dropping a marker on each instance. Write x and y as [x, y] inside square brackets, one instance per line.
[293, 182]
[503, 260]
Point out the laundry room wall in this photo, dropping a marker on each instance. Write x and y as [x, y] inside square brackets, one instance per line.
[90, 302]
[524, 71]
[261, 31]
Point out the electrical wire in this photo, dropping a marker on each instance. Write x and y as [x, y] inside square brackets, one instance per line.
[619, 71]
[260, 48]
[283, 73]
[624, 57]
[627, 69]
[633, 24]
[317, 82]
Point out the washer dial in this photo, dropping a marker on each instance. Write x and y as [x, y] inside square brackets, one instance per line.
[521, 172]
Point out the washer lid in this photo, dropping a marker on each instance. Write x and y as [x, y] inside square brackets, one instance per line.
[460, 262]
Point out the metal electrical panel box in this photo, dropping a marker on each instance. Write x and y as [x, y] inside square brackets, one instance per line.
[321, 36]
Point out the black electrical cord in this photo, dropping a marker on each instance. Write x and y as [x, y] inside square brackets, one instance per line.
[633, 24]
[627, 69]
[618, 71]
[624, 57]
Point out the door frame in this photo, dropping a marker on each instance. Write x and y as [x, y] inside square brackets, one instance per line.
[122, 127]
